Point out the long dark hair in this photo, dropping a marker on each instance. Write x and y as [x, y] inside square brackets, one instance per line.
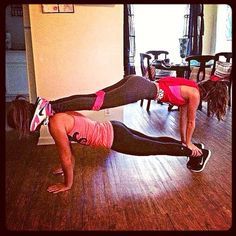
[19, 115]
[216, 93]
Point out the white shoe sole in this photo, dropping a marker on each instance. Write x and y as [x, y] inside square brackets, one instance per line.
[202, 146]
[207, 159]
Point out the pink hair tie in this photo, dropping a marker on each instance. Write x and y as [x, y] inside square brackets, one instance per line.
[99, 100]
[214, 78]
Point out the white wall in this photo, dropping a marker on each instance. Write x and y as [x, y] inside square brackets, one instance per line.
[77, 53]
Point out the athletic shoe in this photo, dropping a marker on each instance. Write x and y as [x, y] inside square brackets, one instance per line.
[197, 164]
[42, 112]
[199, 145]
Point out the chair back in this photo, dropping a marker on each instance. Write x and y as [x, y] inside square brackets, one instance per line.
[227, 56]
[201, 68]
[156, 54]
[223, 56]
[145, 65]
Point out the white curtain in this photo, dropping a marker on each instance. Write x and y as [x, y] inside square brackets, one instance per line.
[224, 29]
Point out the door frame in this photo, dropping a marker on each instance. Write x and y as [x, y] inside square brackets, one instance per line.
[29, 54]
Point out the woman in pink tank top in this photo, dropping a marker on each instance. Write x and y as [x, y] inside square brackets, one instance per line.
[73, 126]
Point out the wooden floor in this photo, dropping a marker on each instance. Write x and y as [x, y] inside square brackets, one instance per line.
[113, 191]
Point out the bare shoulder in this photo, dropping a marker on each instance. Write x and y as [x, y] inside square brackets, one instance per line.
[60, 121]
[57, 118]
[194, 94]
[190, 92]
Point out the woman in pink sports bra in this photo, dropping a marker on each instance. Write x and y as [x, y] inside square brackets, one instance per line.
[176, 91]
[73, 126]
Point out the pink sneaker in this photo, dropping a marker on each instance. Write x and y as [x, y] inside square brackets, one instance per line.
[42, 112]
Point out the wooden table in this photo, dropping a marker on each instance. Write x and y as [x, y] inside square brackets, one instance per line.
[179, 68]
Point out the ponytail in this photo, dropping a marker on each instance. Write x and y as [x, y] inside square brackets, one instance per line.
[216, 94]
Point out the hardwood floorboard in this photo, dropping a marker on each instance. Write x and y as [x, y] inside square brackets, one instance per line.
[114, 191]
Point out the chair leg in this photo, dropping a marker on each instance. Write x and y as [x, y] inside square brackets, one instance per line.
[170, 107]
[148, 104]
[141, 103]
[229, 92]
[200, 105]
[208, 109]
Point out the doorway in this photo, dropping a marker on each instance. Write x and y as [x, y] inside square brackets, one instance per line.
[19, 78]
[16, 73]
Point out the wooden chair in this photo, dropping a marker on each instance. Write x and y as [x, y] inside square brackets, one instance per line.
[203, 63]
[161, 58]
[156, 54]
[227, 57]
[145, 64]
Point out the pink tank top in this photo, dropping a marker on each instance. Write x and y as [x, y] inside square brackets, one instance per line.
[92, 133]
[171, 88]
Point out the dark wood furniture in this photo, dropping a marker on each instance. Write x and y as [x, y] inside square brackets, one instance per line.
[160, 58]
[157, 54]
[204, 62]
[145, 64]
[179, 68]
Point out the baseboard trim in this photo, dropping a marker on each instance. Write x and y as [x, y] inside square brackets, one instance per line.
[46, 141]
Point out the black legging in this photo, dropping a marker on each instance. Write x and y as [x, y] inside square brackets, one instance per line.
[132, 142]
[128, 90]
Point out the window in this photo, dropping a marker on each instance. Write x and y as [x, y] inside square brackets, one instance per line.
[16, 10]
[159, 27]
[224, 29]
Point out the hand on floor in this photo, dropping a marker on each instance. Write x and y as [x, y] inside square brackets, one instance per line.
[56, 188]
[57, 171]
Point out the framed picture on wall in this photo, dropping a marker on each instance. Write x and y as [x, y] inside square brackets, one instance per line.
[68, 8]
[58, 8]
[50, 8]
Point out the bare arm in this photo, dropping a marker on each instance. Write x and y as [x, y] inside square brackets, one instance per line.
[190, 127]
[58, 169]
[183, 122]
[58, 132]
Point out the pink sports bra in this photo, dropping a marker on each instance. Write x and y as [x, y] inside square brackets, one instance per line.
[170, 87]
[176, 92]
